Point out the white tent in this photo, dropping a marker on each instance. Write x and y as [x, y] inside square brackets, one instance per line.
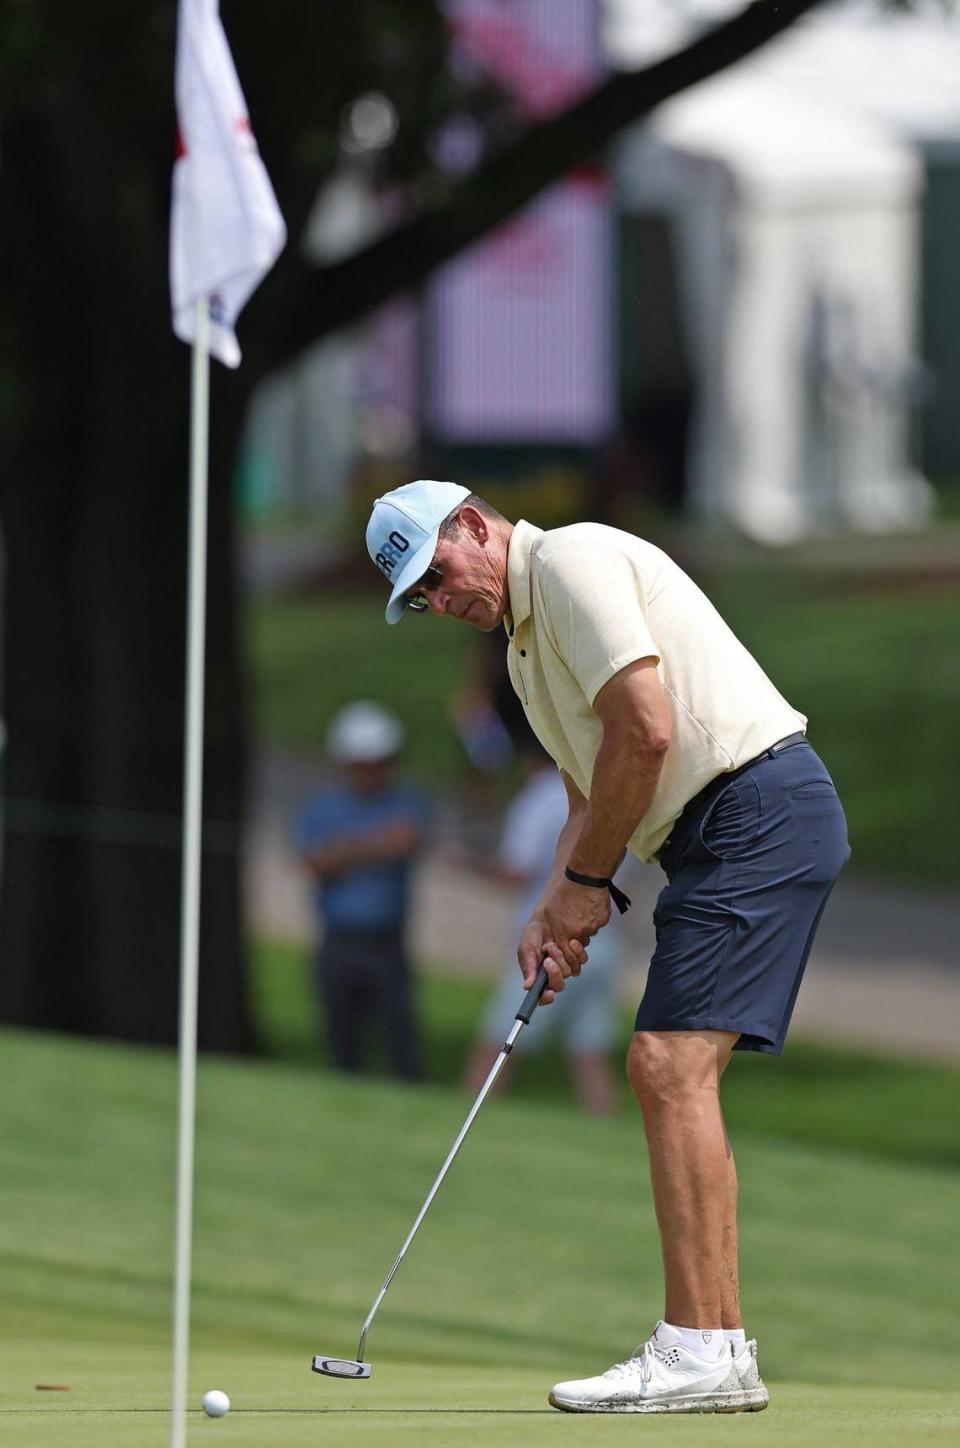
[856, 59]
[792, 182]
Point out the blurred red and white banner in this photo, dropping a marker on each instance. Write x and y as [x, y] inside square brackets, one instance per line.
[519, 328]
[226, 230]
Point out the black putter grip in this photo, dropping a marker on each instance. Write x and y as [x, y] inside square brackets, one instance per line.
[532, 998]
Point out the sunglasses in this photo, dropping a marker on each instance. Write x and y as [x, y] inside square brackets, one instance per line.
[432, 579]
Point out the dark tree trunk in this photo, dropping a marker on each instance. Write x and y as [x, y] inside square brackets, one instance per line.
[95, 523]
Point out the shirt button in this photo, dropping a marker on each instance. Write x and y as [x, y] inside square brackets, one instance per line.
[523, 653]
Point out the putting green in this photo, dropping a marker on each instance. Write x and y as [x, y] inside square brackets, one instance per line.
[539, 1261]
[119, 1397]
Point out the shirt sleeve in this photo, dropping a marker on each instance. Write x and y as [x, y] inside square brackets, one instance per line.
[421, 812]
[595, 605]
[313, 825]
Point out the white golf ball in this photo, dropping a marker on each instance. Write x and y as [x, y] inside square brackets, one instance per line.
[215, 1403]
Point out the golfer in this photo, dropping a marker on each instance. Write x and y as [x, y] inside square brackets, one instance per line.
[674, 744]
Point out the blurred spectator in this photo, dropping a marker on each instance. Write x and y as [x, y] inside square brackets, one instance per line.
[358, 839]
[491, 726]
[486, 712]
[585, 1018]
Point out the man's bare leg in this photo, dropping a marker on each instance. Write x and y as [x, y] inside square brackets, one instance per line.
[480, 1062]
[730, 1283]
[675, 1077]
[593, 1082]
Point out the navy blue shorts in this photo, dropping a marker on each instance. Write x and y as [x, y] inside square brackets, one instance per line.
[750, 862]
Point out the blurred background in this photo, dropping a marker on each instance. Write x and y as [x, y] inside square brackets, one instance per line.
[527, 254]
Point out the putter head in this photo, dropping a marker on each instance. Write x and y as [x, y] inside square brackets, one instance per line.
[335, 1367]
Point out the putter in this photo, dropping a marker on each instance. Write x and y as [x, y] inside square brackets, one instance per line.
[336, 1367]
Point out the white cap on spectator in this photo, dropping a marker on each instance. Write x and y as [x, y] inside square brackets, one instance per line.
[364, 733]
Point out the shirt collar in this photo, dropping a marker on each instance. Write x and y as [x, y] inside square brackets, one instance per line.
[522, 541]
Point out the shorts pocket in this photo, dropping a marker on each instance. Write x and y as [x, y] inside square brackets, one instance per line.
[731, 821]
[814, 797]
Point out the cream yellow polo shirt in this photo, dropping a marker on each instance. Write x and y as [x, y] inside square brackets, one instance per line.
[585, 601]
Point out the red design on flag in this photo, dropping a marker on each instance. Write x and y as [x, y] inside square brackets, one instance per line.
[226, 230]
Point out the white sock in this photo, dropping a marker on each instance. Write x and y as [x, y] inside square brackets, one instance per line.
[737, 1336]
[708, 1342]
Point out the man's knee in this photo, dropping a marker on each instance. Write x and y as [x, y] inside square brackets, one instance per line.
[650, 1067]
[663, 1066]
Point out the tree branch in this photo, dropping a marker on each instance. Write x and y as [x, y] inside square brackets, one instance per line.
[326, 298]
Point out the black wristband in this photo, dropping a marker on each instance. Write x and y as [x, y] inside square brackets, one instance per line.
[595, 882]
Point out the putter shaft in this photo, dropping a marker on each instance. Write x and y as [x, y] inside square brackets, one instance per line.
[527, 1007]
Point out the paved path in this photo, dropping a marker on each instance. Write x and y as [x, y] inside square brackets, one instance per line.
[885, 970]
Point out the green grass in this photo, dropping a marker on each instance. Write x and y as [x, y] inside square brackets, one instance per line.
[948, 495]
[312, 656]
[539, 1260]
[878, 674]
[814, 1095]
[875, 669]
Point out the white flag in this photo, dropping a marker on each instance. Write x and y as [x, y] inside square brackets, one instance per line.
[226, 230]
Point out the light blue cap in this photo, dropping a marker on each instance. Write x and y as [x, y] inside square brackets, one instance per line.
[402, 533]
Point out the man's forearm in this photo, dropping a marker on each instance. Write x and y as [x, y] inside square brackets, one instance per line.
[565, 843]
[625, 777]
[348, 851]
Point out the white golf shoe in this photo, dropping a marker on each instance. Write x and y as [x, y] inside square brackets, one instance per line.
[662, 1376]
[753, 1392]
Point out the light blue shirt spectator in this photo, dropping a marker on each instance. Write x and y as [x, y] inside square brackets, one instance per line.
[372, 896]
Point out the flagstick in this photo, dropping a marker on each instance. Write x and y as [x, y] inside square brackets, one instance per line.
[190, 878]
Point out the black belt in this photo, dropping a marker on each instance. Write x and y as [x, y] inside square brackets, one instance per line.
[719, 780]
[791, 739]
